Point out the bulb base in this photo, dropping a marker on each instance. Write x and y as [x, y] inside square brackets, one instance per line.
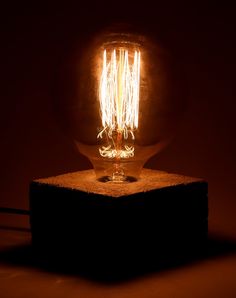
[80, 222]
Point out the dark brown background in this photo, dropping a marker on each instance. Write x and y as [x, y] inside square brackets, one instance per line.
[35, 38]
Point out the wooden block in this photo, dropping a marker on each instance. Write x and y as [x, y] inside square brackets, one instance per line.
[78, 220]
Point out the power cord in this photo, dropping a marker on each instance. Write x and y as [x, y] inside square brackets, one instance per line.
[14, 211]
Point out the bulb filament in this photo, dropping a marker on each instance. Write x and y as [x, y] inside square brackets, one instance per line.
[119, 103]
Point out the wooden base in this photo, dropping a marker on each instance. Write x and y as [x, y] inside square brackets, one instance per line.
[77, 220]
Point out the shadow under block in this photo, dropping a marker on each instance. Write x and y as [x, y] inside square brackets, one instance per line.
[78, 220]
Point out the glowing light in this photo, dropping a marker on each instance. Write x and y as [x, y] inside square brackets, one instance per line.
[119, 102]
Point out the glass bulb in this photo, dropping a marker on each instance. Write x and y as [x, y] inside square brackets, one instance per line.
[119, 108]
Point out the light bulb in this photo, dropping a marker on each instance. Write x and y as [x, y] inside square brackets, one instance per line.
[120, 109]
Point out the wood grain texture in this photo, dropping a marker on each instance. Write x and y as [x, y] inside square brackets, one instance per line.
[86, 181]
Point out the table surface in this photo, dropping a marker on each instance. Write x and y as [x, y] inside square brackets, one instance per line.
[211, 276]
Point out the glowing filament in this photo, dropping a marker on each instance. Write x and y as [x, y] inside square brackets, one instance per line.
[119, 100]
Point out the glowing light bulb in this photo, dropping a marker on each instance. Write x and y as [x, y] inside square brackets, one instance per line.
[121, 103]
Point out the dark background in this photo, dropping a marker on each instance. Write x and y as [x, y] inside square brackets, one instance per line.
[35, 38]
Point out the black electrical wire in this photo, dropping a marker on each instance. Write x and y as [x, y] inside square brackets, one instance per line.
[14, 211]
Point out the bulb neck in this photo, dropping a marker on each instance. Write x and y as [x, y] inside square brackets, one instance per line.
[121, 171]
[118, 174]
